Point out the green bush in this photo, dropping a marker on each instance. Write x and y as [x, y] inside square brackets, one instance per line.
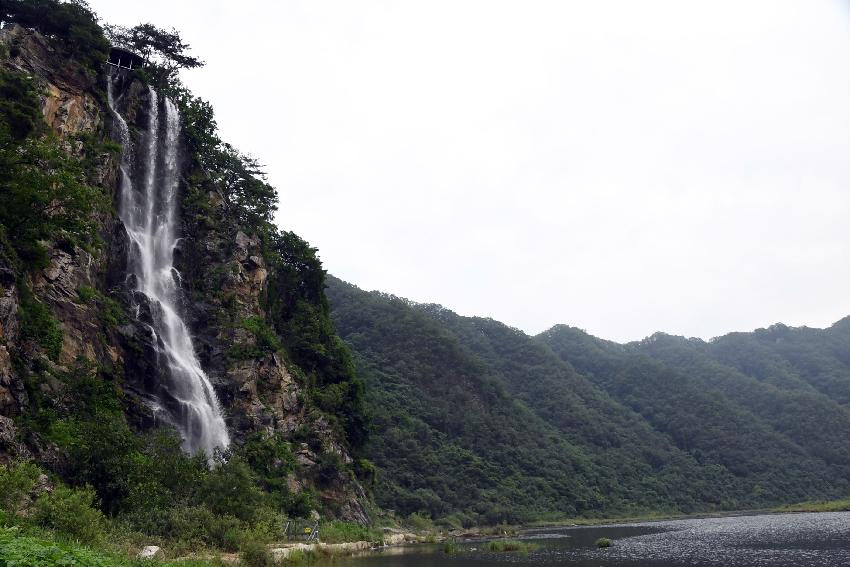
[419, 522]
[72, 513]
[111, 311]
[254, 553]
[267, 340]
[86, 293]
[17, 481]
[19, 107]
[299, 505]
[507, 546]
[230, 488]
[603, 542]
[366, 471]
[198, 527]
[39, 325]
[268, 455]
[337, 531]
[328, 468]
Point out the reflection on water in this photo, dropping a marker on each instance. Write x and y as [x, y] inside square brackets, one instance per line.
[782, 540]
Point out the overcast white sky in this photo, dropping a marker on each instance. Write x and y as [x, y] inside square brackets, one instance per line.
[619, 166]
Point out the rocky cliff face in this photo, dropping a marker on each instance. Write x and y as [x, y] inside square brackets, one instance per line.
[224, 276]
[71, 108]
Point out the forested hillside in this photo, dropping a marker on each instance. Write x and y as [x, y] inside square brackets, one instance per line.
[668, 424]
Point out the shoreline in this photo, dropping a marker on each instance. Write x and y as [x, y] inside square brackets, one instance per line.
[309, 552]
[285, 551]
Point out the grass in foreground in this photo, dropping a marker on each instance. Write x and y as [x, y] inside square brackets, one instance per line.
[17, 548]
[451, 548]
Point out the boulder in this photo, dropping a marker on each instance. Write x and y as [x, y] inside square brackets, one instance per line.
[148, 552]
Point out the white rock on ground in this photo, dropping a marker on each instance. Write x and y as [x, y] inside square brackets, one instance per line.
[148, 552]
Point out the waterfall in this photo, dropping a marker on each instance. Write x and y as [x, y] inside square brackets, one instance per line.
[148, 209]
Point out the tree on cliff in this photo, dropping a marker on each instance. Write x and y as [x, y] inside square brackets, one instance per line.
[164, 51]
[73, 23]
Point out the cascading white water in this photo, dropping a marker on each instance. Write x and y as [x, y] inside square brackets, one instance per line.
[149, 216]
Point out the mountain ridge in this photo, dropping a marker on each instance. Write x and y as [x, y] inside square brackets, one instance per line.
[661, 425]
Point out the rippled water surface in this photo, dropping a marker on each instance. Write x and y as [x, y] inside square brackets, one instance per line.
[799, 540]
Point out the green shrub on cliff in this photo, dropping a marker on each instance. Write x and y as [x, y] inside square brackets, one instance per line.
[72, 23]
[38, 323]
[266, 341]
[238, 178]
[20, 110]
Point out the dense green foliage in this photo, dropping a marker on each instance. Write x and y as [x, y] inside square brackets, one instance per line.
[72, 23]
[31, 514]
[45, 522]
[778, 438]
[220, 168]
[668, 424]
[38, 323]
[448, 440]
[298, 307]
[148, 483]
[20, 111]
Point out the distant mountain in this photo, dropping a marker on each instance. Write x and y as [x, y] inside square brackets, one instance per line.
[477, 422]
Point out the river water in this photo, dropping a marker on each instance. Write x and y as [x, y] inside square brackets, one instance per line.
[798, 540]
